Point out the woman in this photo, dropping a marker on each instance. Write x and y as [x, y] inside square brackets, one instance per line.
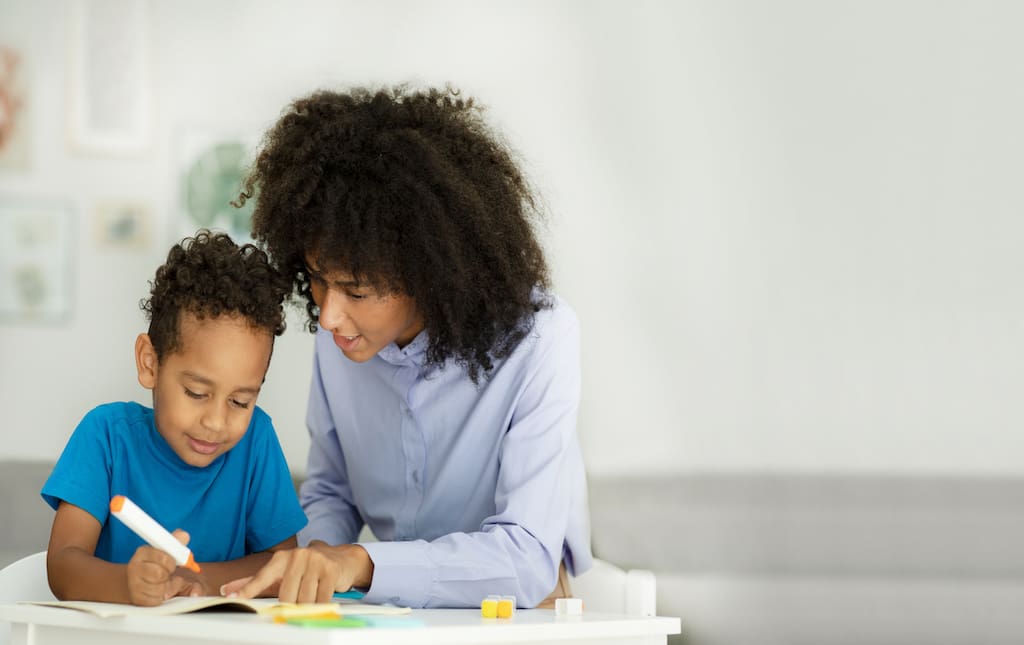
[446, 376]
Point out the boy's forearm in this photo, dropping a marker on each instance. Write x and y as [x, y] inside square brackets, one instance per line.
[76, 575]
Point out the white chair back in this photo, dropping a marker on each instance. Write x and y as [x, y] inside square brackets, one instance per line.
[24, 579]
[608, 589]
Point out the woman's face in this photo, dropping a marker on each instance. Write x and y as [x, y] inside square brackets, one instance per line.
[362, 321]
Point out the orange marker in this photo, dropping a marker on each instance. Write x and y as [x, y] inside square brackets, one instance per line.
[155, 535]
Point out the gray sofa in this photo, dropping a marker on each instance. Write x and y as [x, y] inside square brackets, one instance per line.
[823, 559]
[25, 527]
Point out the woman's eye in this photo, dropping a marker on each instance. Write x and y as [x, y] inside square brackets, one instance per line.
[193, 395]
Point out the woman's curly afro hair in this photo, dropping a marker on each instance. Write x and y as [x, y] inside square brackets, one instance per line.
[409, 192]
[210, 276]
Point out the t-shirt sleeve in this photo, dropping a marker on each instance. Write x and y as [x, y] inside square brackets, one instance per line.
[274, 513]
[82, 474]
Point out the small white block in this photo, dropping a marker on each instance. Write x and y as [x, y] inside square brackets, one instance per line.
[568, 606]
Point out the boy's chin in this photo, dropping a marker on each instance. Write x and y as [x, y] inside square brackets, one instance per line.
[197, 460]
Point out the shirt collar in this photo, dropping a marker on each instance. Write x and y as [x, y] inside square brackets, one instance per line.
[412, 354]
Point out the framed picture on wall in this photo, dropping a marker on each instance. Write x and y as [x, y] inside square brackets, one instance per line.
[110, 99]
[211, 166]
[14, 130]
[36, 259]
[122, 223]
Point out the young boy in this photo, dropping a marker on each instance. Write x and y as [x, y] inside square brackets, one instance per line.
[204, 458]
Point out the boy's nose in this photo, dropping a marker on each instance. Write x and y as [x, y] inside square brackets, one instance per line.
[216, 418]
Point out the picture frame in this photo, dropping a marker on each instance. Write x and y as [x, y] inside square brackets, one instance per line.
[37, 242]
[122, 223]
[14, 112]
[110, 106]
[211, 165]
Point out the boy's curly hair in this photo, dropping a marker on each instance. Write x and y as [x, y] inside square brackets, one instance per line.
[410, 192]
[209, 276]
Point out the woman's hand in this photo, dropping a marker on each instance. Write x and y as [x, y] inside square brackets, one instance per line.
[153, 576]
[310, 574]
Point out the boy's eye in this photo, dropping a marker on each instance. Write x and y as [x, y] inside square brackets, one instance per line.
[356, 296]
[193, 395]
[240, 404]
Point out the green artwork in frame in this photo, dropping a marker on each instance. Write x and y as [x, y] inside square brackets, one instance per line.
[212, 181]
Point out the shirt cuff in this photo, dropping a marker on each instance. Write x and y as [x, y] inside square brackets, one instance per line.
[402, 573]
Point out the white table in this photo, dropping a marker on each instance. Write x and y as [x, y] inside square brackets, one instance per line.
[34, 625]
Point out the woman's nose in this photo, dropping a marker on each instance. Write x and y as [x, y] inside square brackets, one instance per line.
[332, 311]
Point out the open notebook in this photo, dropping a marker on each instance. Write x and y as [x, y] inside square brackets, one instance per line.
[263, 606]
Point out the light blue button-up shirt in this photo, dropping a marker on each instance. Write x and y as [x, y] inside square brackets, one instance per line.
[471, 489]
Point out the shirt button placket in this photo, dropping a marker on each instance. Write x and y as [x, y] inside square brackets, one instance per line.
[403, 524]
[415, 468]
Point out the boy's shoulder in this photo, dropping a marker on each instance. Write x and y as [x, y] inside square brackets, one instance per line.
[260, 418]
[260, 426]
[127, 411]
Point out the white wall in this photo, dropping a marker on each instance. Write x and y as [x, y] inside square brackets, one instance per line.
[792, 230]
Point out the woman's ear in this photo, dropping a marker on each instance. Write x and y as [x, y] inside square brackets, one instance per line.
[146, 361]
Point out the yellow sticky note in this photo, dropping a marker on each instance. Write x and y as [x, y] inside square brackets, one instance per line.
[301, 610]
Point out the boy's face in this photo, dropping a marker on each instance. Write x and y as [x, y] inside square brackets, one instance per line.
[205, 392]
[362, 322]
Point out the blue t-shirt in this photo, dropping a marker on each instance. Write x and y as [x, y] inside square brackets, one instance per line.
[242, 503]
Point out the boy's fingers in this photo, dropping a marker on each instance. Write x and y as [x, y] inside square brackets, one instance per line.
[154, 573]
[181, 536]
[152, 565]
[174, 586]
[147, 554]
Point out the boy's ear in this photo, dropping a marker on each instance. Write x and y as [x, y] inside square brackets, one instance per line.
[146, 361]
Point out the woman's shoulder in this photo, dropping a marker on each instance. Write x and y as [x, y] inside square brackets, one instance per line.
[553, 325]
[555, 317]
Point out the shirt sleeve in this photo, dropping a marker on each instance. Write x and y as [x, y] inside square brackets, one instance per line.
[326, 495]
[274, 514]
[82, 474]
[517, 551]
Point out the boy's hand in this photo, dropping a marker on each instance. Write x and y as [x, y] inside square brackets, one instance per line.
[153, 576]
[187, 583]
